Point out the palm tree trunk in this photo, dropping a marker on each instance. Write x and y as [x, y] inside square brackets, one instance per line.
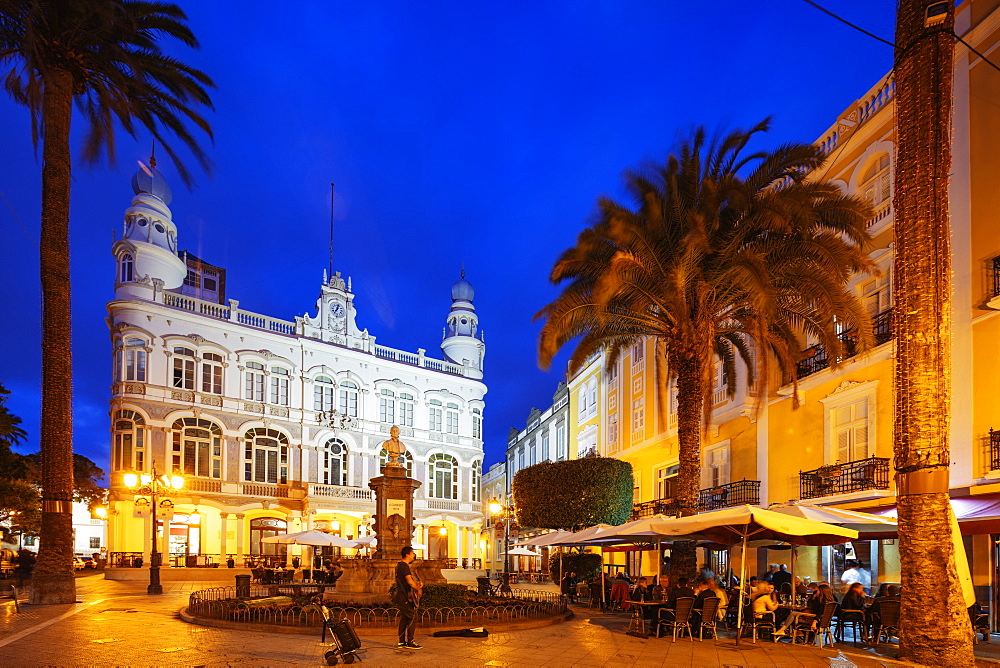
[690, 399]
[53, 580]
[934, 630]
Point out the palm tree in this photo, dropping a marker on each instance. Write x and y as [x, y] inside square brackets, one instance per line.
[720, 254]
[105, 56]
[934, 631]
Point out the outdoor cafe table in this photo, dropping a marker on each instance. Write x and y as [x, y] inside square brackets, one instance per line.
[638, 623]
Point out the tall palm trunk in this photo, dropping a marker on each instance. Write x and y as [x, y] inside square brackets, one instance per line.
[53, 580]
[690, 402]
[934, 630]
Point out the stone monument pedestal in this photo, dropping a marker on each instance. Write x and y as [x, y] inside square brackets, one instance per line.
[369, 580]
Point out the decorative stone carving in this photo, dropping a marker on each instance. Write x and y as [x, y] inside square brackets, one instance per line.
[197, 338]
[211, 400]
[266, 354]
[182, 395]
[135, 388]
[253, 407]
[279, 411]
[846, 385]
[750, 414]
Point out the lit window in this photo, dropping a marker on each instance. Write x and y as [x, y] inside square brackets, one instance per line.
[127, 266]
[875, 182]
[592, 400]
[520, 458]
[451, 418]
[279, 386]
[254, 381]
[613, 431]
[561, 442]
[323, 393]
[477, 423]
[406, 409]
[211, 373]
[545, 446]
[335, 462]
[387, 406]
[131, 361]
[183, 378]
[849, 431]
[666, 482]
[130, 442]
[715, 467]
[348, 398]
[638, 419]
[476, 480]
[442, 475]
[197, 448]
[532, 453]
[435, 415]
[876, 294]
[265, 456]
[191, 280]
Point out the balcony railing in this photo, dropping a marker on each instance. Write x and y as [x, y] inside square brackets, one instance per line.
[814, 358]
[738, 493]
[994, 450]
[996, 276]
[856, 476]
[341, 492]
[723, 496]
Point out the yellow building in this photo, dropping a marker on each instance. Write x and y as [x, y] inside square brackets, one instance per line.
[836, 447]
[585, 390]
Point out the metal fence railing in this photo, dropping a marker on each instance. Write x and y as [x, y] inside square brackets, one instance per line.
[856, 476]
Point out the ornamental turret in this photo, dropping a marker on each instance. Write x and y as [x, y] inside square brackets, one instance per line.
[146, 255]
[463, 342]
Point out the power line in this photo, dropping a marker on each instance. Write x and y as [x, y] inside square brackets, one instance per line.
[843, 20]
[973, 50]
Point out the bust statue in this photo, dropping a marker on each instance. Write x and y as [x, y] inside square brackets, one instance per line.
[394, 447]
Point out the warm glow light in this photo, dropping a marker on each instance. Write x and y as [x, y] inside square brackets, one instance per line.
[145, 479]
[495, 507]
[335, 525]
[194, 518]
[176, 481]
[130, 479]
[443, 531]
[101, 512]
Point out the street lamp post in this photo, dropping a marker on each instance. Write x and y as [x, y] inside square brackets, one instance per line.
[503, 513]
[153, 486]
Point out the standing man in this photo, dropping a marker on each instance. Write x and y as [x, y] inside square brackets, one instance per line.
[408, 591]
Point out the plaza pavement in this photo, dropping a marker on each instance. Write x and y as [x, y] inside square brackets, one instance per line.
[118, 624]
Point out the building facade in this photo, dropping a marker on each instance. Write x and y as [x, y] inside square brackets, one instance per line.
[276, 425]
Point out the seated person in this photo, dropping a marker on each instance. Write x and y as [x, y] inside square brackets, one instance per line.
[702, 591]
[852, 607]
[764, 603]
[800, 588]
[643, 592]
[662, 590]
[681, 590]
[883, 591]
[814, 609]
[723, 599]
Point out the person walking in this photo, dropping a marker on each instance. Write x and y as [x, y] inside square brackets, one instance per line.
[408, 591]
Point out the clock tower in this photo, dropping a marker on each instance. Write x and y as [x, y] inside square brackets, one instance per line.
[335, 315]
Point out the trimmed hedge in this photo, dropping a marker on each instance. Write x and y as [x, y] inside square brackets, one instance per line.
[574, 493]
[585, 565]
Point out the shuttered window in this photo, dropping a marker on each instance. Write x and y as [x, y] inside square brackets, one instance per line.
[849, 431]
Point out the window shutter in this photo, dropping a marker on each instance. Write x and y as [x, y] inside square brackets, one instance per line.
[861, 442]
[885, 187]
[844, 445]
[260, 465]
[272, 466]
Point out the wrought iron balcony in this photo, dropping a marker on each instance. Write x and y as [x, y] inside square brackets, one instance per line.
[814, 358]
[856, 476]
[731, 494]
[724, 496]
[994, 450]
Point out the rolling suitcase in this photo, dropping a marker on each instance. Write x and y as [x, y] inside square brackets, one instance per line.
[344, 637]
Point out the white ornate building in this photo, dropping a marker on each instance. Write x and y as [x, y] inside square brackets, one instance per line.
[276, 425]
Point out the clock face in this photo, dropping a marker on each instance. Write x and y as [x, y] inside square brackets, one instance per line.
[337, 309]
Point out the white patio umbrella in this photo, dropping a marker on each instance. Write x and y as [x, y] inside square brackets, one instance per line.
[863, 523]
[545, 539]
[743, 523]
[373, 542]
[522, 552]
[312, 537]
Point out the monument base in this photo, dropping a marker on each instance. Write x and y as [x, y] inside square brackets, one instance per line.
[375, 576]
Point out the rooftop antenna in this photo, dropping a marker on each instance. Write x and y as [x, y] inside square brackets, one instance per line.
[333, 195]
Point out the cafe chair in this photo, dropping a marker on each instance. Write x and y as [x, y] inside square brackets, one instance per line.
[708, 618]
[888, 621]
[823, 627]
[765, 621]
[679, 620]
[856, 618]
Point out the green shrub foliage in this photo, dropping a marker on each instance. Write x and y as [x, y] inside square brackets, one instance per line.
[586, 565]
[575, 493]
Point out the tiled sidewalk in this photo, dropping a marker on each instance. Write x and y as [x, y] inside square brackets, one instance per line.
[118, 624]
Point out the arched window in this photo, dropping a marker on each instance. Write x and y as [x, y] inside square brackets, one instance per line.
[265, 456]
[254, 381]
[183, 377]
[266, 527]
[583, 401]
[130, 442]
[592, 399]
[477, 423]
[323, 392]
[405, 409]
[442, 476]
[451, 418]
[127, 265]
[131, 361]
[406, 460]
[197, 448]
[875, 181]
[335, 462]
[211, 373]
[476, 478]
[387, 406]
[348, 398]
[279, 385]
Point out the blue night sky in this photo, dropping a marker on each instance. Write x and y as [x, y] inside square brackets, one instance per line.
[475, 133]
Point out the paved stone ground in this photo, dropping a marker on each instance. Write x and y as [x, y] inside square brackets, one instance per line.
[117, 624]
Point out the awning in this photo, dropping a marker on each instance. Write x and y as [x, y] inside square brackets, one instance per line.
[978, 514]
